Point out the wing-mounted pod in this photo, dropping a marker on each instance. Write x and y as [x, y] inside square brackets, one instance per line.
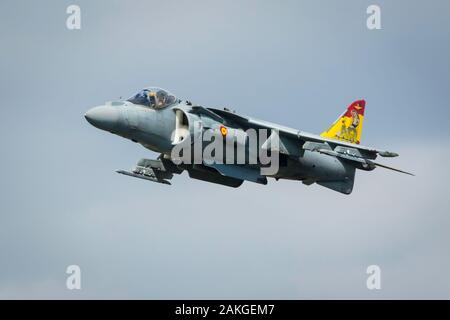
[160, 170]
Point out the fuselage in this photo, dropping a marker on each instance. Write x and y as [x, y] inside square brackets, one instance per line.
[156, 130]
[223, 147]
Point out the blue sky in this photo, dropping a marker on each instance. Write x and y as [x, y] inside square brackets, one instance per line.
[297, 63]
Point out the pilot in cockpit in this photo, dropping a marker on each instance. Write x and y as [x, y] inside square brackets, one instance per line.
[154, 97]
[157, 99]
[151, 98]
[161, 97]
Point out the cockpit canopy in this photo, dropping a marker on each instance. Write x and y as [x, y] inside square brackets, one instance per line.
[153, 97]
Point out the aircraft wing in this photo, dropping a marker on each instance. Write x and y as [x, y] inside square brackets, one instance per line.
[291, 138]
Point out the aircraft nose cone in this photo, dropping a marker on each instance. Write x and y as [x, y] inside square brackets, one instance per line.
[103, 117]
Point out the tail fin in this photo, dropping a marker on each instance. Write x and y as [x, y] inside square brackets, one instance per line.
[348, 126]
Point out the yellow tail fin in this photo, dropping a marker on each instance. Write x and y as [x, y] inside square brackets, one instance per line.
[348, 126]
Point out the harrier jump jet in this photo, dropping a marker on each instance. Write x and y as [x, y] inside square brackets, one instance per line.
[159, 121]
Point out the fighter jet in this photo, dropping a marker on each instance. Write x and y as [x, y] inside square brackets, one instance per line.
[162, 123]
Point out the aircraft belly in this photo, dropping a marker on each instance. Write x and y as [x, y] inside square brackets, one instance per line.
[322, 167]
[239, 172]
[315, 167]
